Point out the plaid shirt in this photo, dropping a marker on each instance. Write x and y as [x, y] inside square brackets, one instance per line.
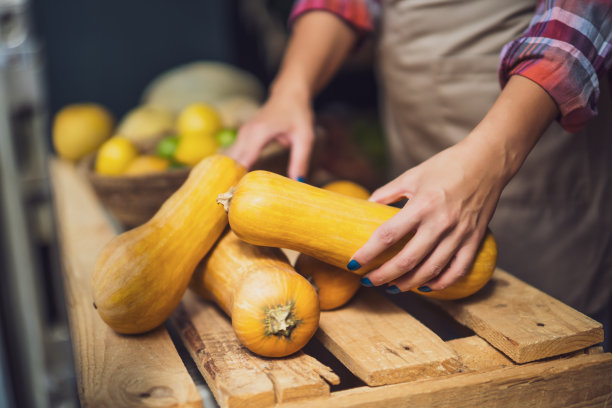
[566, 48]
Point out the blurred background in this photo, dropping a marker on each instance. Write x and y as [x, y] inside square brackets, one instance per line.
[120, 55]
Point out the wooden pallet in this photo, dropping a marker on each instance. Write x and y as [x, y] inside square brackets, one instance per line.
[516, 346]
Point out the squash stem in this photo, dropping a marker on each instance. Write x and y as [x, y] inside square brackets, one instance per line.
[280, 321]
[225, 199]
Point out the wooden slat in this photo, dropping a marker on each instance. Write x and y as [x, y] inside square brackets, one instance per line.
[237, 377]
[581, 381]
[382, 344]
[112, 370]
[523, 322]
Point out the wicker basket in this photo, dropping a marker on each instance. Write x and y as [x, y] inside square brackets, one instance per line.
[133, 200]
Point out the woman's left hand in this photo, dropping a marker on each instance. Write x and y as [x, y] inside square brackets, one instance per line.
[451, 198]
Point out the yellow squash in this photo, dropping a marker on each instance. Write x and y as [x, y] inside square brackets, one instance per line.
[141, 275]
[335, 286]
[274, 310]
[271, 210]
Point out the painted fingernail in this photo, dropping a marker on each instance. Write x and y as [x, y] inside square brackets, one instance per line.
[424, 289]
[301, 179]
[353, 265]
[366, 282]
[393, 290]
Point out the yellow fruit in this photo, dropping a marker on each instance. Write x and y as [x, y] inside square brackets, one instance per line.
[145, 125]
[114, 156]
[192, 149]
[147, 164]
[198, 119]
[80, 129]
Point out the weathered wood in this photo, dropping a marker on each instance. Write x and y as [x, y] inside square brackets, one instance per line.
[382, 344]
[523, 322]
[112, 370]
[478, 355]
[236, 376]
[578, 382]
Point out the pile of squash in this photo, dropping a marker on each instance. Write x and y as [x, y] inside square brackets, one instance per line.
[142, 274]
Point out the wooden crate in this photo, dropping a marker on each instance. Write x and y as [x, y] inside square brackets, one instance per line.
[516, 346]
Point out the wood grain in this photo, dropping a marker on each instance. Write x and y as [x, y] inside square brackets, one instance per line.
[382, 344]
[237, 377]
[523, 322]
[581, 381]
[112, 370]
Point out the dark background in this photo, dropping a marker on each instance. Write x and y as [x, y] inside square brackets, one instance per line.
[108, 51]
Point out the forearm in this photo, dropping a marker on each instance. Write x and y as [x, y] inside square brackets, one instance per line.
[319, 44]
[513, 125]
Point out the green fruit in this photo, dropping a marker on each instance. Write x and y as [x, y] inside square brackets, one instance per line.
[166, 147]
[226, 137]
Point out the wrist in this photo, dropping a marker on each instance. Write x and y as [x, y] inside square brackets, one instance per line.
[513, 126]
[285, 86]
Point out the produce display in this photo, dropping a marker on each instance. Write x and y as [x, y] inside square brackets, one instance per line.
[274, 310]
[271, 210]
[149, 139]
[141, 275]
[187, 118]
[335, 286]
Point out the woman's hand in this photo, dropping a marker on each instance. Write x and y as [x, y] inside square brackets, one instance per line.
[452, 196]
[318, 46]
[287, 118]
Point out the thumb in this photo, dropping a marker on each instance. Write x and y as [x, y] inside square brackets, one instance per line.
[299, 159]
[247, 147]
[391, 192]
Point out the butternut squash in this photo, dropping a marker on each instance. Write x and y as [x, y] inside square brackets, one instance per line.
[271, 210]
[334, 286]
[141, 275]
[274, 310]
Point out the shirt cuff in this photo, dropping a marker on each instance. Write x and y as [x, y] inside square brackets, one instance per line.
[570, 81]
[356, 14]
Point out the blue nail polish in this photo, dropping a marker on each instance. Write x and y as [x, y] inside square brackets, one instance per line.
[301, 179]
[424, 289]
[366, 282]
[393, 290]
[353, 265]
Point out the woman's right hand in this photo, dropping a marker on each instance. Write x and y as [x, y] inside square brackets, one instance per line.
[286, 117]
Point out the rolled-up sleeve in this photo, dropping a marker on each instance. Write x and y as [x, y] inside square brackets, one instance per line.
[361, 15]
[566, 49]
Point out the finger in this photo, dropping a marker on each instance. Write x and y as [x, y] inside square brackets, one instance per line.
[390, 192]
[406, 260]
[459, 267]
[432, 267]
[248, 145]
[392, 231]
[299, 159]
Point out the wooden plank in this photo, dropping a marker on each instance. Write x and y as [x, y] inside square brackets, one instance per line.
[382, 344]
[237, 377]
[112, 370]
[523, 322]
[578, 382]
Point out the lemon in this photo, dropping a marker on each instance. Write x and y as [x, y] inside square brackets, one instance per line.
[114, 156]
[147, 164]
[80, 129]
[192, 149]
[198, 119]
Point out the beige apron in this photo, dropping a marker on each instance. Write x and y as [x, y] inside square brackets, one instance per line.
[437, 67]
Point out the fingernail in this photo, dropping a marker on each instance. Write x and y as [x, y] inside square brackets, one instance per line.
[353, 265]
[393, 290]
[424, 289]
[366, 282]
[301, 179]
